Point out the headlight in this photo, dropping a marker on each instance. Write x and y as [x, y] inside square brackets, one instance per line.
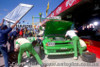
[50, 44]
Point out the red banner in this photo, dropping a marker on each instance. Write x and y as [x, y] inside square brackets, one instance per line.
[62, 7]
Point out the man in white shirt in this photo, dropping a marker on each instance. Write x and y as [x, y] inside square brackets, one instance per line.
[76, 42]
[22, 44]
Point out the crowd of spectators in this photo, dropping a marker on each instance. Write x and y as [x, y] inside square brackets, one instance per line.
[89, 32]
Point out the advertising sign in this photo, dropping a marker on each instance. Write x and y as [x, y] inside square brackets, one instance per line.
[18, 12]
[55, 17]
[66, 4]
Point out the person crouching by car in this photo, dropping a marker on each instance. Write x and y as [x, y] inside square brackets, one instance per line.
[24, 45]
[4, 30]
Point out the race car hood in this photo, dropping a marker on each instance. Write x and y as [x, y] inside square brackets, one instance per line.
[57, 27]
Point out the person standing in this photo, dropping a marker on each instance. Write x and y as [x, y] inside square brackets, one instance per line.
[4, 30]
[12, 36]
[26, 32]
[75, 40]
[21, 32]
[0, 27]
[10, 41]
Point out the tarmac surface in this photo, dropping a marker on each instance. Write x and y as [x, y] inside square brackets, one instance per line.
[54, 61]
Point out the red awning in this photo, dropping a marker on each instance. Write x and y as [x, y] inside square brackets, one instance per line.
[66, 4]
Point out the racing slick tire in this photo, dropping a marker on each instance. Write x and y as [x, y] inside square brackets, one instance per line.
[89, 57]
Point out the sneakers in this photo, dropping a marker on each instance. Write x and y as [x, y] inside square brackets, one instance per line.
[75, 58]
[27, 60]
[26, 66]
[87, 51]
[21, 66]
[43, 66]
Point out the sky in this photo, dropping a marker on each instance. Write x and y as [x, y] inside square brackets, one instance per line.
[7, 6]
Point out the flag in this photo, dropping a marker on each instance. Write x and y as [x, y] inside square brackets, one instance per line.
[47, 9]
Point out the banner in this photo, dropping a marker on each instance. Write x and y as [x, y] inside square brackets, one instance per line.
[65, 5]
[18, 12]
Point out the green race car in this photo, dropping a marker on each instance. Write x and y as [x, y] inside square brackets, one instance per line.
[54, 42]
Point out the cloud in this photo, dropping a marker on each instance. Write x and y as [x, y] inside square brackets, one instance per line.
[5, 9]
[1, 14]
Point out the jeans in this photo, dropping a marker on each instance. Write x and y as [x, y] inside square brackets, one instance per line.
[5, 54]
[11, 45]
[11, 42]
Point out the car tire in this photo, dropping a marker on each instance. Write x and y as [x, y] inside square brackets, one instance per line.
[89, 57]
[38, 49]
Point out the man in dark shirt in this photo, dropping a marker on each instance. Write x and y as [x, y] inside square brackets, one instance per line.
[0, 27]
[3, 40]
[11, 41]
[12, 36]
